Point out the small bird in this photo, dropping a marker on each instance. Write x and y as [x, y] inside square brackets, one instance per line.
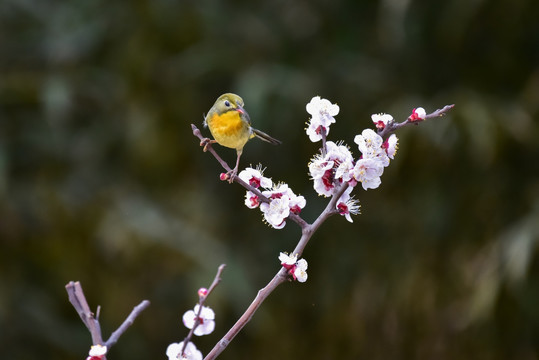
[230, 126]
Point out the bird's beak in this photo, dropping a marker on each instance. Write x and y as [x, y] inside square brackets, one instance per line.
[240, 109]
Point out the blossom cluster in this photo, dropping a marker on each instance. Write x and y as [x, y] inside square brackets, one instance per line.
[282, 200]
[335, 165]
[296, 268]
[202, 320]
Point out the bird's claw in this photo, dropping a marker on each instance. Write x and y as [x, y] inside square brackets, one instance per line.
[206, 142]
[229, 176]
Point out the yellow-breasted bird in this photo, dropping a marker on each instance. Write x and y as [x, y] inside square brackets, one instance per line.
[230, 126]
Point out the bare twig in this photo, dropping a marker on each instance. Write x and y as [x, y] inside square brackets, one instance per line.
[392, 127]
[215, 282]
[440, 112]
[127, 323]
[78, 300]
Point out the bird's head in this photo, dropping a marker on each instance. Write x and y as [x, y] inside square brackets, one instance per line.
[228, 102]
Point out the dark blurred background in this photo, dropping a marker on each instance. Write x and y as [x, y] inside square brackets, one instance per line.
[102, 181]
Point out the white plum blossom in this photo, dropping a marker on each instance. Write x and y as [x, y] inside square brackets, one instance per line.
[255, 178]
[206, 321]
[347, 205]
[322, 113]
[97, 352]
[381, 120]
[321, 171]
[251, 200]
[319, 165]
[342, 158]
[418, 114]
[283, 201]
[368, 142]
[344, 170]
[287, 259]
[300, 273]
[296, 203]
[391, 146]
[190, 353]
[276, 212]
[368, 172]
[370, 145]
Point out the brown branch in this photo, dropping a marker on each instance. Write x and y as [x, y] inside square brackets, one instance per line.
[281, 276]
[215, 282]
[440, 112]
[307, 231]
[78, 300]
[208, 147]
[127, 323]
[262, 294]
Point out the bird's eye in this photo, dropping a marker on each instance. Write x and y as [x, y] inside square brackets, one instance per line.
[227, 103]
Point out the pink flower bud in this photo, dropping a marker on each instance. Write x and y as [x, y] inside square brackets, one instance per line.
[202, 292]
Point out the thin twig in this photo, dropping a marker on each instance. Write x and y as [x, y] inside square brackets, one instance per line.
[201, 300]
[127, 323]
[440, 112]
[78, 300]
[209, 148]
[392, 127]
[215, 282]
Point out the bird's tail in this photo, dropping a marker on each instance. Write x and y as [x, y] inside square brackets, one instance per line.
[262, 135]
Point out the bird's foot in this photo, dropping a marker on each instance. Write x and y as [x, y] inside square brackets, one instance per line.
[206, 142]
[229, 175]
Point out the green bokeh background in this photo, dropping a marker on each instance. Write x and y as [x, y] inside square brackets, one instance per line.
[102, 181]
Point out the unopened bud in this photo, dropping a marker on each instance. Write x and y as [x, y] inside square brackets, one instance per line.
[202, 292]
